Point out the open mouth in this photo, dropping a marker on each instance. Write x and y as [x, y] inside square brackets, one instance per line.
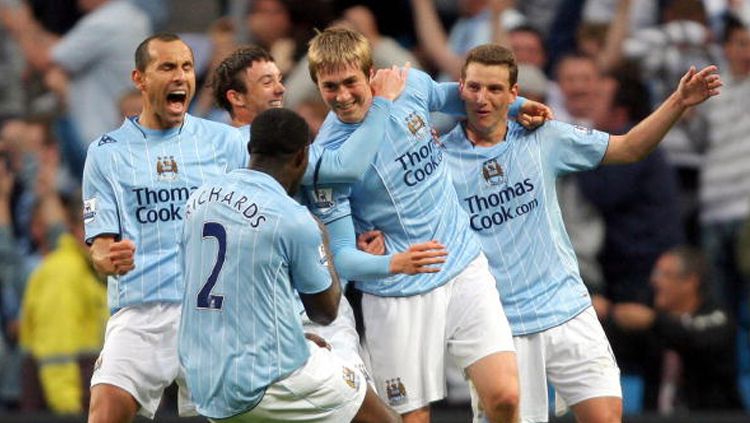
[176, 100]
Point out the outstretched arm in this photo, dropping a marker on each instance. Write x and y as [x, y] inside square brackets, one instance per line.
[695, 87]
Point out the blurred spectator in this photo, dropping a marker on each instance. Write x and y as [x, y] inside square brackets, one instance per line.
[532, 83]
[62, 322]
[528, 45]
[686, 320]
[156, 10]
[89, 67]
[580, 84]
[480, 22]
[130, 103]
[664, 52]
[725, 175]
[270, 25]
[386, 52]
[638, 203]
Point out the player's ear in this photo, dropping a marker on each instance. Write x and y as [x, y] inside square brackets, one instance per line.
[137, 78]
[235, 99]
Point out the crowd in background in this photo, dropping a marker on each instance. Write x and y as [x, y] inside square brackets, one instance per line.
[602, 64]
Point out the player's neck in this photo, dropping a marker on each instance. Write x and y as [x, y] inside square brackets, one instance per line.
[243, 117]
[272, 169]
[480, 137]
[150, 120]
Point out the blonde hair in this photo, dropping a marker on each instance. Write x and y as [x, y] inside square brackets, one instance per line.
[337, 48]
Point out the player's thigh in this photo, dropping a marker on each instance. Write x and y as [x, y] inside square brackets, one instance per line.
[406, 344]
[476, 326]
[532, 378]
[323, 390]
[139, 355]
[580, 362]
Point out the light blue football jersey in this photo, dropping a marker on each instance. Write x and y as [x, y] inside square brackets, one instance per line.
[406, 192]
[508, 191]
[135, 184]
[247, 247]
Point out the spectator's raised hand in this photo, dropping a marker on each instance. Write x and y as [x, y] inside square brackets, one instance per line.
[697, 86]
[419, 258]
[389, 82]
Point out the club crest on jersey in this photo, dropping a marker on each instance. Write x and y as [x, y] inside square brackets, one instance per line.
[415, 124]
[323, 199]
[89, 210]
[493, 173]
[396, 391]
[166, 168]
[350, 378]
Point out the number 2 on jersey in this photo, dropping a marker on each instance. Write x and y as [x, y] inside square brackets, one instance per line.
[205, 298]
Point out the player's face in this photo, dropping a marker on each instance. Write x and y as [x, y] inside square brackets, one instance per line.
[168, 82]
[264, 88]
[487, 92]
[347, 92]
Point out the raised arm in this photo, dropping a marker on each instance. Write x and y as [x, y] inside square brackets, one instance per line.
[695, 87]
[432, 37]
[347, 163]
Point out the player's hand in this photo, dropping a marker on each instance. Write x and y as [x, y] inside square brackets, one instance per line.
[633, 316]
[419, 258]
[389, 82]
[697, 86]
[372, 242]
[122, 256]
[533, 114]
[112, 257]
[319, 341]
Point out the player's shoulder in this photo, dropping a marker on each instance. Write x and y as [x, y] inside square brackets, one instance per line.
[196, 124]
[113, 140]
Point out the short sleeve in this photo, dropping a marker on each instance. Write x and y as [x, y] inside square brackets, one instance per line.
[100, 215]
[572, 148]
[308, 261]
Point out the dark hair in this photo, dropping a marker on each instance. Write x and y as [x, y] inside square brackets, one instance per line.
[732, 24]
[633, 95]
[693, 262]
[492, 55]
[227, 75]
[143, 58]
[278, 132]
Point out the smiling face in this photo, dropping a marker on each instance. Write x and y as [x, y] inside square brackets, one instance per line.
[167, 84]
[263, 87]
[488, 94]
[346, 90]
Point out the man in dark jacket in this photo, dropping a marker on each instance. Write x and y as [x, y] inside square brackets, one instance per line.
[689, 322]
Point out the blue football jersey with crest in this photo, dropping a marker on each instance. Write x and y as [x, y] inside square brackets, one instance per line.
[406, 192]
[135, 184]
[248, 249]
[508, 192]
